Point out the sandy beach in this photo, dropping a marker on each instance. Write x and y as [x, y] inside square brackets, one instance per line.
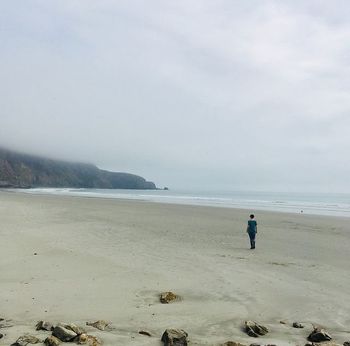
[73, 259]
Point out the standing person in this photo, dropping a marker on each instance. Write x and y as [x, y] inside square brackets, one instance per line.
[252, 230]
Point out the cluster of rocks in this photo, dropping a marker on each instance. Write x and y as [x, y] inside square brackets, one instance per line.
[63, 332]
[72, 333]
[317, 337]
[178, 337]
[172, 337]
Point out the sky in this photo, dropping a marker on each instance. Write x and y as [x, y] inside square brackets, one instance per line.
[190, 94]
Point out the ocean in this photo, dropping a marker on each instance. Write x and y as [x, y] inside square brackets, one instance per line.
[335, 204]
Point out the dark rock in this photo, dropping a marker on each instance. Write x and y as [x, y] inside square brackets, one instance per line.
[100, 324]
[174, 337]
[1, 336]
[52, 341]
[167, 297]
[231, 343]
[144, 332]
[43, 325]
[346, 343]
[319, 334]
[297, 325]
[26, 339]
[254, 329]
[63, 333]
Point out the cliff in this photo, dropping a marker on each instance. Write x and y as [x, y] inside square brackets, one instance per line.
[26, 171]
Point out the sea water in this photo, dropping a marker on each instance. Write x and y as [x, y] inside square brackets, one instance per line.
[336, 204]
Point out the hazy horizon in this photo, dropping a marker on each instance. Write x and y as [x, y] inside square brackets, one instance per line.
[227, 95]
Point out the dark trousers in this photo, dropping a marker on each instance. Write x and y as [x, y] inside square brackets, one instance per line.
[252, 239]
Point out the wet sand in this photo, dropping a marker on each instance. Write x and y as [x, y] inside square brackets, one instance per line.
[73, 259]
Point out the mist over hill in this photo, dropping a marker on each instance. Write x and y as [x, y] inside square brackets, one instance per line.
[20, 170]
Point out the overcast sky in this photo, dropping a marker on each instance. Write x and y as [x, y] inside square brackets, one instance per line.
[208, 94]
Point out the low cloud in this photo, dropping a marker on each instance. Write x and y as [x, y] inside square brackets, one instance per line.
[188, 94]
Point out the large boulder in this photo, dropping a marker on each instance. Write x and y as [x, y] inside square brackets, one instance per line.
[254, 329]
[318, 335]
[64, 334]
[174, 337]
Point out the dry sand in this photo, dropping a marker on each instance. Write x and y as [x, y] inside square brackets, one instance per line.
[110, 259]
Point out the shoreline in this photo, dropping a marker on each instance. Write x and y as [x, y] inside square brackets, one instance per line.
[307, 210]
[110, 259]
